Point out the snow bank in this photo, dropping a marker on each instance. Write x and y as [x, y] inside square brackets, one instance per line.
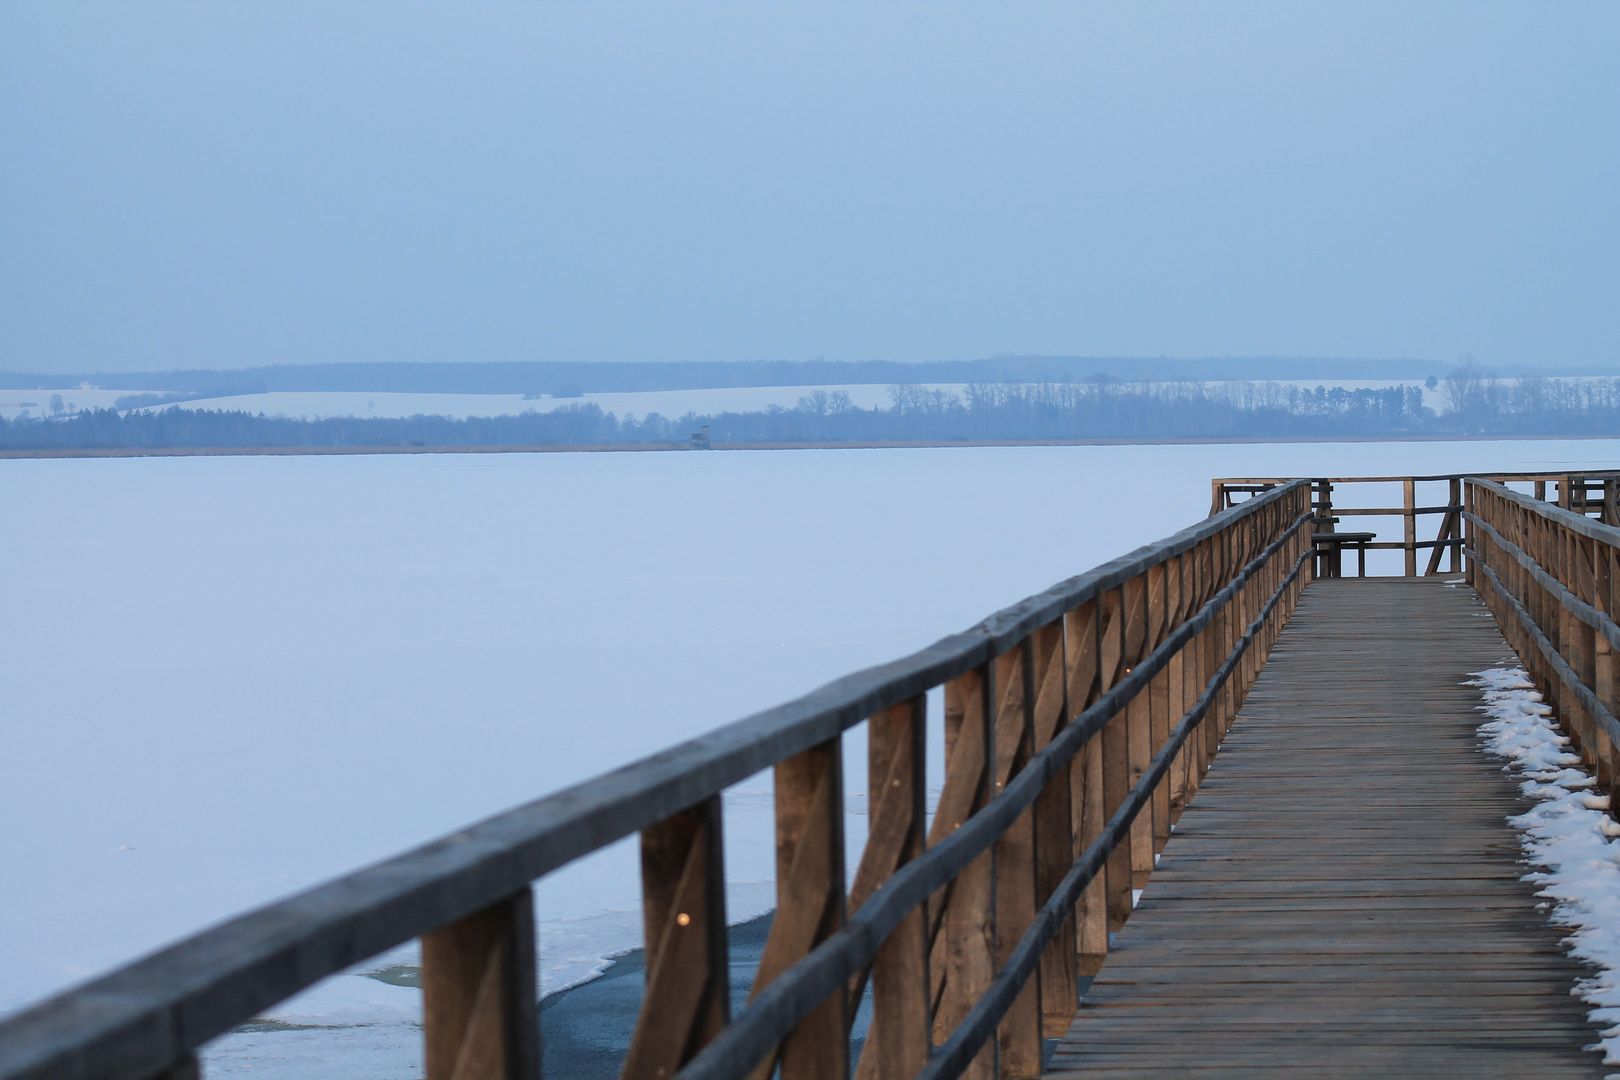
[1568, 836]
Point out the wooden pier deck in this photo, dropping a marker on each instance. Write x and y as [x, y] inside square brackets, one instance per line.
[1343, 897]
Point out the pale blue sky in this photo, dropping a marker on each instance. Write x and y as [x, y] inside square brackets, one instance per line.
[217, 184]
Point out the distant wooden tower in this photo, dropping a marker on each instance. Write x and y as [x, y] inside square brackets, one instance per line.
[700, 439]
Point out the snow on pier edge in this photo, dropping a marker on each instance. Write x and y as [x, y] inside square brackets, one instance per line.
[1567, 836]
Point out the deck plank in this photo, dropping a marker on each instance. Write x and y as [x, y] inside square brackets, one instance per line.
[1343, 897]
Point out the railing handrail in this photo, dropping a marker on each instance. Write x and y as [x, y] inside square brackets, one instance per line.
[980, 1023]
[1549, 654]
[142, 1017]
[1569, 519]
[1563, 686]
[1575, 488]
[736, 1050]
[1586, 613]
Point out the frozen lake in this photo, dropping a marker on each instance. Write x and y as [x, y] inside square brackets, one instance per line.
[229, 678]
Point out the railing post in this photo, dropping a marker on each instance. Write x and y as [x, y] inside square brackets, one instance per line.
[1180, 676]
[1139, 716]
[1249, 599]
[1229, 634]
[1603, 664]
[1160, 610]
[1054, 828]
[809, 905]
[1309, 573]
[1330, 556]
[480, 1003]
[1019, 1033]
[1591, 559]
[1603, 655]
[683, 910]
[963, 961]
[1542, 613]
[1270, 578]
[1214, 636]
[1116, 756]
[1203, 649]
[1083, 657]
[1470, 534]
[1409, 493]
[1304, 578]
[897, 1043]
[1455, 497]
[1579, 646]
[1233, 629]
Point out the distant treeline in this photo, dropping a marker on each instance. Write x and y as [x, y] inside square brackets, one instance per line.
[1096, 409]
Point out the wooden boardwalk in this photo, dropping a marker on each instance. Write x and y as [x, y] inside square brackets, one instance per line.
[1342, 898]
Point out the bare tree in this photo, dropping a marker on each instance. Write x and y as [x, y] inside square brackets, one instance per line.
[1470, 393]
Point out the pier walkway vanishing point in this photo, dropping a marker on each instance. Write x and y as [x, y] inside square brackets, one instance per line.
[1279, 762]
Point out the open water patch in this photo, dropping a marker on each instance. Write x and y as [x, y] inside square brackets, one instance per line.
[585, 1030]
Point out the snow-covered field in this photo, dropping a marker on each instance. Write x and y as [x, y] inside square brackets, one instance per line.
[37, 403]
[315, 405]
[229, 678]
[670, 403]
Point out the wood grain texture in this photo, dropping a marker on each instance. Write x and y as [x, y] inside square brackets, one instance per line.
[963, 959]
[1019, 1034]
[478, 990]
[1054, 834]
[897, 1043]
[809, 797]
[684, 922]
[1343, 896]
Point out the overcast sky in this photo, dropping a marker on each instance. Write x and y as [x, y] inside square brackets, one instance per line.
[214, 184]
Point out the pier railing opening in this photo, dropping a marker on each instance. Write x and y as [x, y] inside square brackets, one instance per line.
[1430, 507]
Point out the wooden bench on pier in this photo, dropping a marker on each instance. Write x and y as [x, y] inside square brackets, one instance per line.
[1207, 810]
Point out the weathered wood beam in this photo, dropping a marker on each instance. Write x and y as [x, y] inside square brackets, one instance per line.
[964, 958]
[1054, 831]
[1083, 657]
[809, 797]
[687, 1000]
[480, 1002]
[898, 1041]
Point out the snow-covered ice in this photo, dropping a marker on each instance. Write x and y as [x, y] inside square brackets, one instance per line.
[1567, 835]
[229, 678]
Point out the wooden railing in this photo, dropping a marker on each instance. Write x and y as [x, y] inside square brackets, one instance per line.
[1077, 724]
[1551, 575]
[1583, 493]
